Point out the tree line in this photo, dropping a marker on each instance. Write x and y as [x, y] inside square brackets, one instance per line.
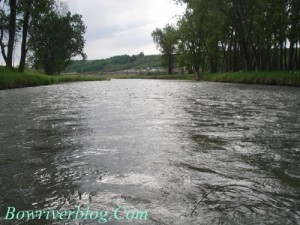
[46, 31]
[119, 63]
[233, 35]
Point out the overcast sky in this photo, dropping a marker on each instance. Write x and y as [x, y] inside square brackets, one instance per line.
[116, 27]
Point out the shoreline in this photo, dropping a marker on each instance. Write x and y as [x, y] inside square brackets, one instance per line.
[276, 78]
[10, 79]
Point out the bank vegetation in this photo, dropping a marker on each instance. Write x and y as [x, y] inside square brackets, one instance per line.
[12, 78]
[231, 36]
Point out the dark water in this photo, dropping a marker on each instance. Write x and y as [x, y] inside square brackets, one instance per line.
[185, 152]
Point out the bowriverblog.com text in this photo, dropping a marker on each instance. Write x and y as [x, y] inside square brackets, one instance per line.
[79, 214]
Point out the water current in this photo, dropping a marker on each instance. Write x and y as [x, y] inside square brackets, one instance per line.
[184, 152]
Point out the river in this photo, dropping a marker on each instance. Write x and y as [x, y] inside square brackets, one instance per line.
[184, 152]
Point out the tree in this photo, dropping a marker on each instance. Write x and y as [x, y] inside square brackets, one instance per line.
[166, 41]
[293, 32]
[27, 6]
[248, 35]
[8, 25]
[30, 10]
[11, 32]
[4, 25]
[44, 21]
[192, 41]
[55, 39]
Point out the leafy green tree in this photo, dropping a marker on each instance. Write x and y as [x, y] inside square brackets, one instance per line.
[192, 42]
[166, 41]
[26, 5]
[55, 39]
[30, 11]
[249, 35]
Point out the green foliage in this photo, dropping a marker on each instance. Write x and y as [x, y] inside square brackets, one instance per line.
[30, 11]
[55, 39]
[166, 40]
[270, 78]
[55, 35]
[230, 35]
[116, 63]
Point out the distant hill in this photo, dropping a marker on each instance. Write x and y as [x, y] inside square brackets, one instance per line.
[117, 63]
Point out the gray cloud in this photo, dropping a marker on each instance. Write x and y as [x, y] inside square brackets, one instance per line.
[117, 27]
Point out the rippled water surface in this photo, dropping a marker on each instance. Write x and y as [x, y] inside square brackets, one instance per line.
[185, 152]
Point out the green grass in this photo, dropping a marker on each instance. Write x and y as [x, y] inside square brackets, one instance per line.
[164, 77]
[270, 78]
[14, 79]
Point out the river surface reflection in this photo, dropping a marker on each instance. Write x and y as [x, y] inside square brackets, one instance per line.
[185, 152]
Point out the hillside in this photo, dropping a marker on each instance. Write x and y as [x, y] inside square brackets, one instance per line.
[116, 63]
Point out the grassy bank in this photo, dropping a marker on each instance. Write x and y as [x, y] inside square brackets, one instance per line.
[164, 77]
[15, 79]
[269, 78]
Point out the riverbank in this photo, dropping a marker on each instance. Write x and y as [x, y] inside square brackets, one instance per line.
[152, 76]
[14, 79]
[284, 78]
[268, 78]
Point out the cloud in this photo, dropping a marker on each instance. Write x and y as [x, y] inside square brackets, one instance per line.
[117, 27]
[130, 41]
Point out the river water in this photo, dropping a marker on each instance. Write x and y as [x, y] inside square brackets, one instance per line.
[184, 152]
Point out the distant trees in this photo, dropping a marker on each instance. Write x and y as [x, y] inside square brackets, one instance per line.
[234, 35]
[137, 62]
[47, 29]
